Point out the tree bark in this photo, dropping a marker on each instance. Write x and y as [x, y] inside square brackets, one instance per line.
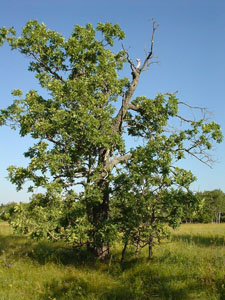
[138, 248]
[150, 246]
[123, 252]
[100, 213]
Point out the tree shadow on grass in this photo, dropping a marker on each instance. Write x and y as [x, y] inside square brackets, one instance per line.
[143, 285]
[200, 240]
[110, 280]
[19, 246]
[10, 243]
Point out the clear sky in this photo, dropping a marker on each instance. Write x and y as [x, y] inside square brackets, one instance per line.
[190, 44]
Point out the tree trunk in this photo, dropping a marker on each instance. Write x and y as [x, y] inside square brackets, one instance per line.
[150, 246]
[138, 249]
[100, 213]
[123, 252]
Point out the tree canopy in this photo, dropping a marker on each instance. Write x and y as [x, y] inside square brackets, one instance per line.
[94, 185]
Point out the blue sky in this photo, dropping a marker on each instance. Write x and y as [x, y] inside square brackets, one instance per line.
[190, 44]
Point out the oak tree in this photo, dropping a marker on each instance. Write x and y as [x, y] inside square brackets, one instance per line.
[93, 184]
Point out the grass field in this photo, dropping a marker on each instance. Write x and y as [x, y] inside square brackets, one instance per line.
[189, 266]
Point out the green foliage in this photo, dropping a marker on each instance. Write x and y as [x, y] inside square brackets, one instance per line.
[144, 201]
[80, 141]
[7, 211]
[213, 206]
[210, 208]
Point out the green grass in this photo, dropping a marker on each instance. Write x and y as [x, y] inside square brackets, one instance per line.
[189, 266]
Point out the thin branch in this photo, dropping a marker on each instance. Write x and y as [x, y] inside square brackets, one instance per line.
[56, 239]
[47, 68]
[132, 66]
[183, 119]
[196, 155]
[80, 183]
[149, 56]
[51, 139]
[192, 107]
[149, 64]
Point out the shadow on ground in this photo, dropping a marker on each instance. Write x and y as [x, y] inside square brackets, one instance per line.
[42, 251]
[110, 280]
[134, 286]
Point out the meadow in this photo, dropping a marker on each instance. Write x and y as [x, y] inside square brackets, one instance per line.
[190, 265]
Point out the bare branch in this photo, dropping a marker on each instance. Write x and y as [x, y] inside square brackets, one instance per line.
[199, 158]
[183, 119]
[80, 183]
[116, 160]
[132, 66]
[205, 159]
[118, 121]
[149, 64]
[117, 126]
[149, 56]
[192, 107]
[193, 110]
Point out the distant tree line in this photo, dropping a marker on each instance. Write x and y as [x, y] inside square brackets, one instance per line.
[211, 208]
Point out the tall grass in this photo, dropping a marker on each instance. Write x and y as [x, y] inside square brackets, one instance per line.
[191, 265]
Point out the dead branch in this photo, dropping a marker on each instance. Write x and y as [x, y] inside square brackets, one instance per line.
[146, 63]
[136, 71]
[192, 107]
[132, 66]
